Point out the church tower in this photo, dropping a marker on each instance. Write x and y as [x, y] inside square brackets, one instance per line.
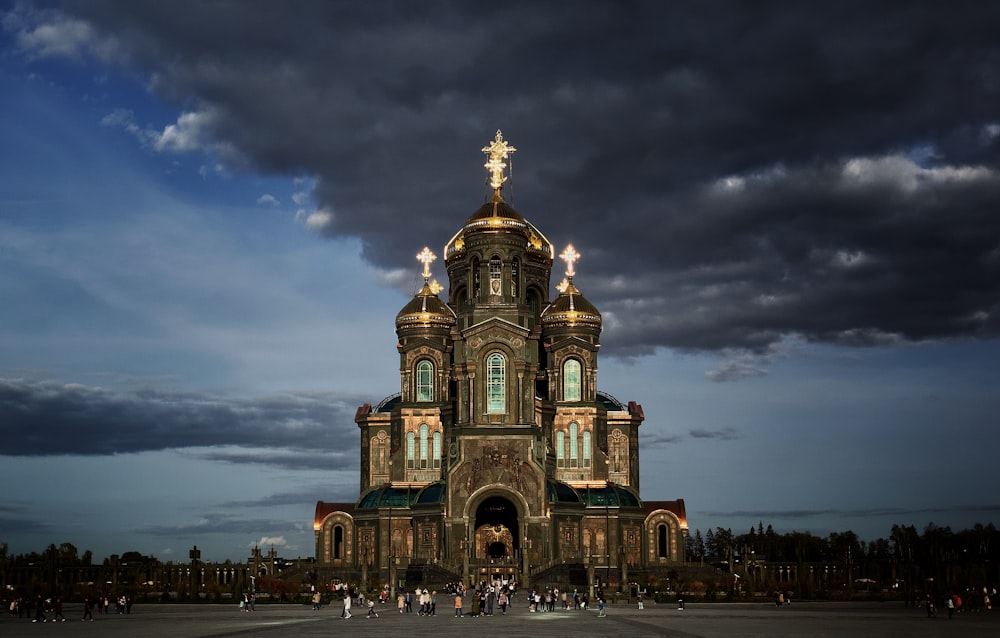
[499, 458]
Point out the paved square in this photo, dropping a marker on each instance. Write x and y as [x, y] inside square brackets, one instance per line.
[697, 620]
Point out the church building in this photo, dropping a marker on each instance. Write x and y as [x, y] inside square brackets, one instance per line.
[499, 457]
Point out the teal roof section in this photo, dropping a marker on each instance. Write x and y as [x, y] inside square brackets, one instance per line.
[433, 493]
[611, 495]
[559, 492]
[388, 496]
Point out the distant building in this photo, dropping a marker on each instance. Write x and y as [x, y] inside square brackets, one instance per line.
[499, 456]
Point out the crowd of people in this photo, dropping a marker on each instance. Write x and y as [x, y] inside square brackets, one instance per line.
[42, 609]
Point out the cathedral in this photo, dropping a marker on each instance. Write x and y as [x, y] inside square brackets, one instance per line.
[499, 458]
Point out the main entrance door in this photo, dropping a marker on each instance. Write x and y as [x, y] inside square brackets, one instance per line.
[496, 530]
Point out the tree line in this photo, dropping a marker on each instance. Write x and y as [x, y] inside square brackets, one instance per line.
[937, 558]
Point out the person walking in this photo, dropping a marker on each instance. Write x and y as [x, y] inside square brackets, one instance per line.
[346, 614]
[371, 609]
[639, 598]
[88, 609]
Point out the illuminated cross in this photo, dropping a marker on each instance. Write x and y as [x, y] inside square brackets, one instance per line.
[425, 256]
[498, 151]
[570, 256]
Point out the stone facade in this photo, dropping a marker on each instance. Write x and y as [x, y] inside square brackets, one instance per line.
[499, 455]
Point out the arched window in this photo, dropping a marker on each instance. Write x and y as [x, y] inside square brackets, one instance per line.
[496, 384]
[496, 276]
[661, 541]
[338, 542]
[574, 453]
[514, 268]
[560, 449]
[424, 456]
[586, 449]
[437, 449]
[571, 380]
[411, 449]
[476, 280]
[425, 381]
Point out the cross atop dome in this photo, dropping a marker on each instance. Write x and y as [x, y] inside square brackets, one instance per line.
[570, 256]
[497, 151]
[425, 257]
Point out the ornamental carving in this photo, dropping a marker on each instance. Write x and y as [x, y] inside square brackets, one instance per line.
[499, 463]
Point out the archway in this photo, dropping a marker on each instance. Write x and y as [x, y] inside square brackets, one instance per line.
[496, 529]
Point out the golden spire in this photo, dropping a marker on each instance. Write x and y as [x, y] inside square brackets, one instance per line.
[497, 152]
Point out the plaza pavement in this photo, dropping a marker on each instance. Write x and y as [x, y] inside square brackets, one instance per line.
[697, 620]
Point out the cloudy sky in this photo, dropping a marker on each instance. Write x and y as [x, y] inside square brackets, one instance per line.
[209, 213]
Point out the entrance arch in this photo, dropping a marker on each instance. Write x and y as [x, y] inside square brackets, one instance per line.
[497, 533]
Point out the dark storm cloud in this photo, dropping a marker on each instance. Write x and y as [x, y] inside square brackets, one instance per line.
[857, 513]
[217, 524]
[42, 419]
[733, 173]
[13, 520]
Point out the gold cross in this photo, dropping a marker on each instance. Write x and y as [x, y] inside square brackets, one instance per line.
[570, 256]
[426, 257]
[498, 151]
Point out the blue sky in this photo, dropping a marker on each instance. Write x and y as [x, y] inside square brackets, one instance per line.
[209, 217]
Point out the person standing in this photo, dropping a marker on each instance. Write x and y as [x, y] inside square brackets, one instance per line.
[639, 598]
[458, 605]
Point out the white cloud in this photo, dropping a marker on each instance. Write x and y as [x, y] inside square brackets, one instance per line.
[318, 219]
[268, 200]
[188, 134]
[905, 174]
[269, 541]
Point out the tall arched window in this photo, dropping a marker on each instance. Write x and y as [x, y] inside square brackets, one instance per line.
[586, 449]
[571, 380]
[476, 280]
[411, 449]
[661, 541]
[437, 449]
[574, 453]
[425, 381]
[560, 449]
[338, 542]
[514, 268]
[496, 384]
[496, 276]
[424, 452]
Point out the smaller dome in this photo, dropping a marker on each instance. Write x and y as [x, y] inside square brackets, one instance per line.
[433, 493]
[387, 496]
[426, 310]
[560, 492]
[611, 495]
[571, 308]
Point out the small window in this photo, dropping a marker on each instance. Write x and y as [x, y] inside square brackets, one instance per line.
[425, 381]
[571, 380]
[496, 384]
